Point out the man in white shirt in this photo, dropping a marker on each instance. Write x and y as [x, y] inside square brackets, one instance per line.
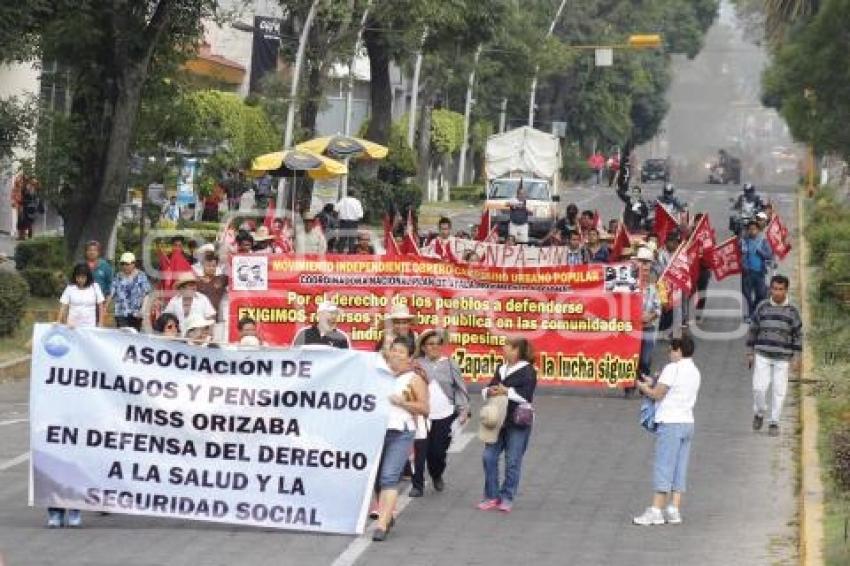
[188, 302]
[350, 212]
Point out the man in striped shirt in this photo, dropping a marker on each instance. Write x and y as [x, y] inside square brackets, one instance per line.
[775, 341]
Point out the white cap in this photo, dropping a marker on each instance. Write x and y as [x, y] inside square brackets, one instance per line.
[327, 306]
[205, 249]
[645, 254]
[761, 216]
[400, 312]
[127, 257]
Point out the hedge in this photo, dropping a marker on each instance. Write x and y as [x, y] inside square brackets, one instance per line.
[14, 293]
[44, 282]
[469, 193]
[47, 252]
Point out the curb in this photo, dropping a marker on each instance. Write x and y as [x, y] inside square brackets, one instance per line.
[18, 368]
[811, 489]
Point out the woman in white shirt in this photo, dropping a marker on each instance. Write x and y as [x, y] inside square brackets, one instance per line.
[409, 401]
[189, 302]
[675, 395]
[82, 301]
[80, 306]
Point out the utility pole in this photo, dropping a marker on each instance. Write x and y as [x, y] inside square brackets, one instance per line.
[531, 101]
[349, 96]
[464, 148]
[414, 94]
[502, 115]
[293, 95]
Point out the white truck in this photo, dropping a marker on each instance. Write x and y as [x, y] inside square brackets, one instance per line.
[532, 157]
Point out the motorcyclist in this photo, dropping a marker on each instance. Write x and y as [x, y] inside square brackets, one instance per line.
[636, 210]
[747, 205]
[669, 199]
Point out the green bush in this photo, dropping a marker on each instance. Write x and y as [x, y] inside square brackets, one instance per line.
[46, 252]
[14, 293]
[828, 236]
[44, 282]
[840, 441]
[468, 193]
[835, 272]
[575, 165]
[379, 197]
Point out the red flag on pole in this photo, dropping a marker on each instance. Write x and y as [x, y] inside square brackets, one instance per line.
[621, 242]
[390, 244]
[166, 276]
[484, 227]
[726, 259]
[410, 242]
[777, 236]
[664, 222]
[268, 220]
[677, 276]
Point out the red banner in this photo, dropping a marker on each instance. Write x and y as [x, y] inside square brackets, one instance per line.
[777, 236]
[726, 259]
[584, 322]
[664, 222]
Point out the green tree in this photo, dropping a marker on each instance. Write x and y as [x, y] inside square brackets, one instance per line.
[109, 48]
[807, 81]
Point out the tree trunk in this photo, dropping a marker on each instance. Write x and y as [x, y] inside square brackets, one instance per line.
[312, 98]
[380, 87]
[109, 174]
[424, 143]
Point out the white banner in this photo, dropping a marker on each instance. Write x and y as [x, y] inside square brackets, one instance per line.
[125, 423]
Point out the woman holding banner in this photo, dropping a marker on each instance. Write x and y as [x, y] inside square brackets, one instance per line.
[80, 306]
[409, 401]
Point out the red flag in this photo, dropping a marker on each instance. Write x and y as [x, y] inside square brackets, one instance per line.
[410, 242]
[726, 259]
[702, 235]
[777, 236]
[677, 276]
[493, 236]
[484, 227]
[664, 222]
[268, 221]
[390, 244]
[166, 276]
[621, 242]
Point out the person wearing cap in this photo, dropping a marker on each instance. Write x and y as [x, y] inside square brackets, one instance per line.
[756, 256]
[324, 331]
[312, 239]
[651, 309]
[515, 379]
[448, 401]
[762, 219]
[128, 292]
[397, 325]
[100, 268]
[198, 331]
[188, 301]
[665, 255]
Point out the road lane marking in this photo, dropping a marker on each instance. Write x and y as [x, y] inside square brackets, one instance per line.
[13, 421]
[358, 546]
[14, 461]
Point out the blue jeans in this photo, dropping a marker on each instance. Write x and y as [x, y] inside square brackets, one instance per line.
[672, 449]
[397, 446]
[647, 345]
[754, 288]
[512, 441]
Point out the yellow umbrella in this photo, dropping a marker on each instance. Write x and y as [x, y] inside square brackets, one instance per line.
[292, 162]
[345, 146]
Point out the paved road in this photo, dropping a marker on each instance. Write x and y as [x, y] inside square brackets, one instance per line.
[586, 474]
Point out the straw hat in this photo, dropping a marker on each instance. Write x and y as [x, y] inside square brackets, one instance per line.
[127, 257]
[327, 306]
[644, 254]
[491, 418]
[262, 234]
[194, 322]
[185, 278]
[400, 312]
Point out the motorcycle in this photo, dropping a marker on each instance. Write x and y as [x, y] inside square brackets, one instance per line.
[739, 219]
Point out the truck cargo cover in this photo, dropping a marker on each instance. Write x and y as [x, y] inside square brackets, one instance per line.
[523, 149]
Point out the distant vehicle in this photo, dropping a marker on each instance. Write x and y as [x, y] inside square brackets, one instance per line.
[533, 157]
[724, 171]
[655, 170]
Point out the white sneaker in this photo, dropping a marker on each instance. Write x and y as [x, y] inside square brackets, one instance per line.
[652, 516]
[673, 515]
